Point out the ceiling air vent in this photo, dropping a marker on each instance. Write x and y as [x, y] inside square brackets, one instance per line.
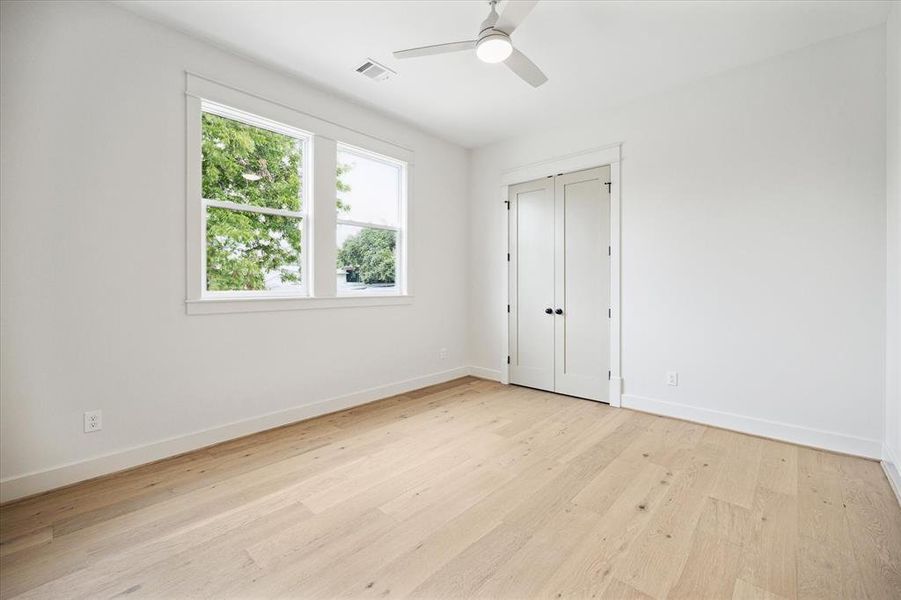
[374, 70]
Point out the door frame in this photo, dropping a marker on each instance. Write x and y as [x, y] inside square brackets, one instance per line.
[598, 157]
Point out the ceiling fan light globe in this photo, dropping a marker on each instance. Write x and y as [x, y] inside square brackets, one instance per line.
[494, 48]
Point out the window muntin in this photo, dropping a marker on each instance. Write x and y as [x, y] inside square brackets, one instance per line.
[252, 185]
[370, 191]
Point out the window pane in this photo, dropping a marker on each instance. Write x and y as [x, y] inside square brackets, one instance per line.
[367, 259]
[249, 165]
[368, 189]
[251, 251]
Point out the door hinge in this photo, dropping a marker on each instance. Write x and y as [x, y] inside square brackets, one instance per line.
[609, 251]
[508, 308]
[608, 375]
[508, 257]
[609, 185]
[609, 313]
[507, 202]
[508, 359]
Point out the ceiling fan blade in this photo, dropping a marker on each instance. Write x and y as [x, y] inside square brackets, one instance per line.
[436, 49]
[514, 14]
[525, 68]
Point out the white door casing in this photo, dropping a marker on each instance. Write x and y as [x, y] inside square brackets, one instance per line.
[610, 156]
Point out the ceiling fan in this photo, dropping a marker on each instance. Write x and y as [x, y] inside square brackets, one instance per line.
[493, 44]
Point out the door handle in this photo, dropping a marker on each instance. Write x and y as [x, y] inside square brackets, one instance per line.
[549, 311]
[559, 311]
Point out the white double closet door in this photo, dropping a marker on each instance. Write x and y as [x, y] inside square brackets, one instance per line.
[559, 236]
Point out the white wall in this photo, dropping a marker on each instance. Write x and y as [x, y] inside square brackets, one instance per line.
[893, 247]
[753, 244]
[93, 259]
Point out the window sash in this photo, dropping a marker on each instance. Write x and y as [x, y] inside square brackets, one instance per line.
[401, 167]
[398, 288]
[261, 123]
[299, 291]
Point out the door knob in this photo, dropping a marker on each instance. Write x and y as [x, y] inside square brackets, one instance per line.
[559, 311]
[549, 310]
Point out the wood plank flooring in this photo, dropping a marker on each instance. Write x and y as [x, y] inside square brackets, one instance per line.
[470, 489]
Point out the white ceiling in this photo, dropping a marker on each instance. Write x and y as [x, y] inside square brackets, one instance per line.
[597, 54]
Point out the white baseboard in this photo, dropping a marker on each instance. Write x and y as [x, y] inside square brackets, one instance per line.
[796, 434]
[484, 373]
[28, 484]
[890, 465]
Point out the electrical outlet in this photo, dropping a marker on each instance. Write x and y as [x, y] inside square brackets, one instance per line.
[442, 354]
[93, 421]
[672, 378]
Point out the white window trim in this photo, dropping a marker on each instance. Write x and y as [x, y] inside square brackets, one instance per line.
[319, 286]
[215, 306]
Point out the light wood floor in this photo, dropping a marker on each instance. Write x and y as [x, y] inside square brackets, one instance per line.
[469, 490]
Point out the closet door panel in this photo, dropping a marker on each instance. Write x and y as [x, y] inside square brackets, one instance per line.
[582, 284]
[532, 284]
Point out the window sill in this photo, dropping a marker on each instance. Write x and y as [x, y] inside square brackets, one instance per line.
[215, 306]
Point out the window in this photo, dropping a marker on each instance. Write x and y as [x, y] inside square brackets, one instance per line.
[370, 201]
[252, 184]
[288, 211]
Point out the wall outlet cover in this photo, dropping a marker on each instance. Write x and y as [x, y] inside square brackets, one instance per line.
[672, 378]
[93, 421]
